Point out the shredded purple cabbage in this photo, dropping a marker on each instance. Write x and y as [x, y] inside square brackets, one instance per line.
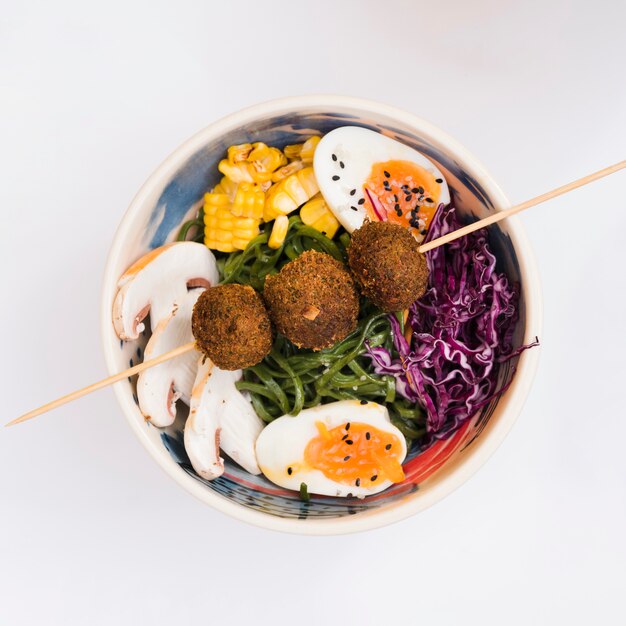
[462, 330]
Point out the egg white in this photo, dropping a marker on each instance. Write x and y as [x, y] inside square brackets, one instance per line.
[282, 443]
[357, 149]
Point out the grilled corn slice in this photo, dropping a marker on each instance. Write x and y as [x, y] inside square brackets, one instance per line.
[265, 161]
[224, 231]
[249, 201]
[315, 213]
[287, 195]
[279, 232]
[237, 172]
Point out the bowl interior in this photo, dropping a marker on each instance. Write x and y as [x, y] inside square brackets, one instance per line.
[175, 191]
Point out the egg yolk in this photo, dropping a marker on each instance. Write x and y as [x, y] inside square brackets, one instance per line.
[355, 454]
[404, 193]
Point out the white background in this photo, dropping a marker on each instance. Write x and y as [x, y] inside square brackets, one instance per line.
[92, 98]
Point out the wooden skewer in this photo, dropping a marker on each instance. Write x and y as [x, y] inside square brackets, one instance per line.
[461, 232]
[105, 383]
[501, 215]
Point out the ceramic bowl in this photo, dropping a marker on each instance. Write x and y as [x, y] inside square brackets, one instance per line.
[174, 192]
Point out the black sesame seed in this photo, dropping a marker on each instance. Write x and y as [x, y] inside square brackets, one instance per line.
[349, 442]
[341, 165]
[344, 437]
[439, 180]
[395, 197]
[405, 188]
[353, 192]
[386, 185]
[358, 482]
[423, 231]
[408, 198]
[335, 177]
[363, 401]
[353, 208]
[415, 190]
[368, 436]
[429, 199]
[396, 206]
[420, 189]
[387, 174]
[289, 471]
[334, 157]
[388, 446]
[346, 458]
[374, 477]
[348, 426]
[361, 201]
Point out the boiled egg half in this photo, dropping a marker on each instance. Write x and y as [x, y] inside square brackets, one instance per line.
[363, 174]
[344, 448]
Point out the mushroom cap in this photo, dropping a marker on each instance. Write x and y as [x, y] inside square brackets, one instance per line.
[159, 387]
[220, 417]
[158, 279]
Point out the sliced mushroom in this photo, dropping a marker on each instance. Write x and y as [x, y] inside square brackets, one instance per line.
[202, 428]
[156, 281]
[159, 387]
[220, 417]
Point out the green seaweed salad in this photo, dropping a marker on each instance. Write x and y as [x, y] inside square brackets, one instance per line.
[290, 379]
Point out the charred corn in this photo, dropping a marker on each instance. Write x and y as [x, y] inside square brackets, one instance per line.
[238, 153]
[287, 195]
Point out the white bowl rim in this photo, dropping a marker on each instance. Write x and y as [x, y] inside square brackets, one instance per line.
[482, 448]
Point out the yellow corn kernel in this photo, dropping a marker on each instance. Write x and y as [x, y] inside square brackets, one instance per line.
[295, 189]
[269, 213]
[218, 245]
[228, 187]
[308, 150]
[279, 232]
[278, 202]
[308, 181]
[249, 201]
[293, 152]
[216, 199]
[269, 159]
[315, 213]
[287, 170]
[259, 151]
[313, 210]
[239, 153]
[238, 173]
[327, 225]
